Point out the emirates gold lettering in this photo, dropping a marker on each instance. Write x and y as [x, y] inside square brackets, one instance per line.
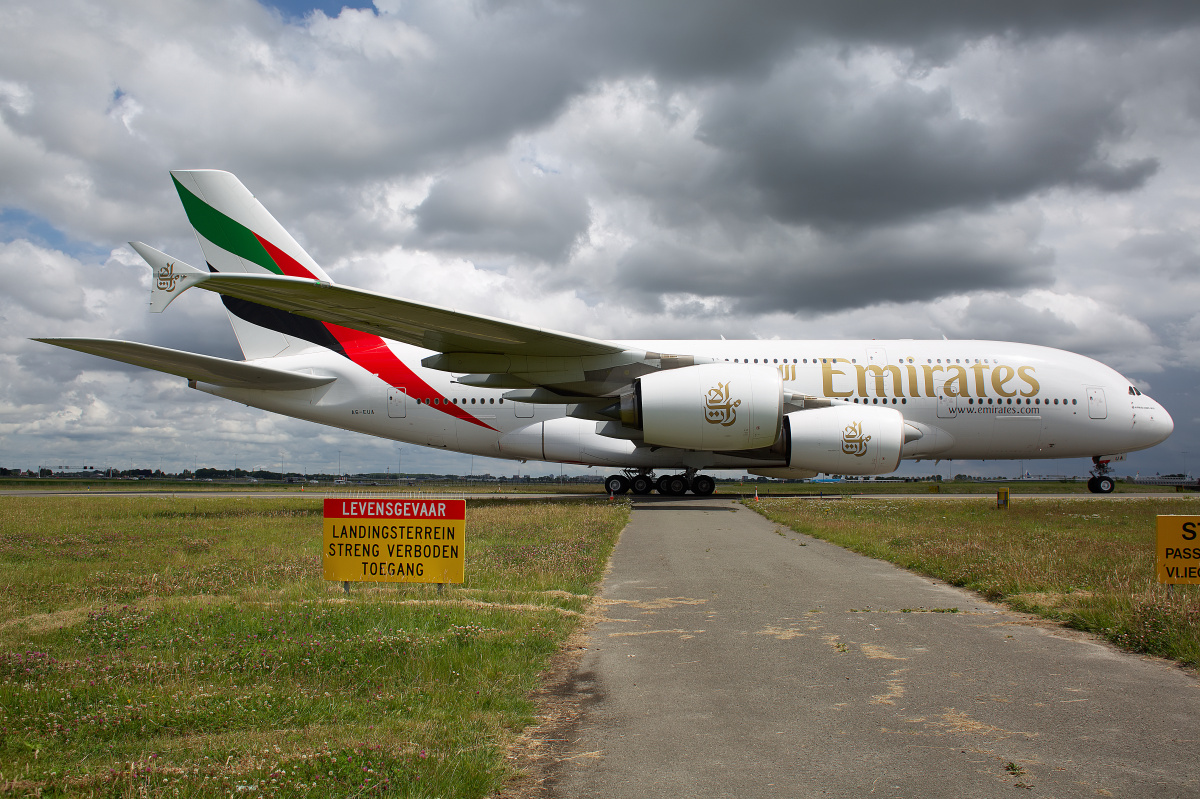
[880, 373]
[828, 372]
[927, 380]
[1026, 374]
[979, 369]
[1000, 377]
[930, 391]
[914, 390]
[956, 383]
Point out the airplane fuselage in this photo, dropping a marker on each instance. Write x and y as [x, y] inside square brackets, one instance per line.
[971, 399]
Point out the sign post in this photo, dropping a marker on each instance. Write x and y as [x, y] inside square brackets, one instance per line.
[1002, 497]
[1179, 550]
[394, 541]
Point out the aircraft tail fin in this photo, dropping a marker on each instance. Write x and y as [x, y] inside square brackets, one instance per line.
[237, 234]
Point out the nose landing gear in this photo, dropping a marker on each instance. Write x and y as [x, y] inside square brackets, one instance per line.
[1101, 482]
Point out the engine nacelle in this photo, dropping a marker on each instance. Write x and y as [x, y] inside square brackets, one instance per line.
[845, 439]
[719, 406]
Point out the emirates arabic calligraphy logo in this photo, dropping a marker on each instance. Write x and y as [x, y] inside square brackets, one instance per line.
[167, 277]
[718, 409]
[853, 441]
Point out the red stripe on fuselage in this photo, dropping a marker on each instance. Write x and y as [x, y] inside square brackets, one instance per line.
[371, 352]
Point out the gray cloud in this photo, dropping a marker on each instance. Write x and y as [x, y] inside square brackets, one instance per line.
[490, 208]
[900, 151]
[826, 274]
[1175, 253]
[1020, 170]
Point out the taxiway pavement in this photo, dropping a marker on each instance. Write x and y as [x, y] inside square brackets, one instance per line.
[736, 658]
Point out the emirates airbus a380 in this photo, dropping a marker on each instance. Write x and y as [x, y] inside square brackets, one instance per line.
[438, 377]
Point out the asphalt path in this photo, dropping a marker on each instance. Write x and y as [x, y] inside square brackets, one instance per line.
[738, 659]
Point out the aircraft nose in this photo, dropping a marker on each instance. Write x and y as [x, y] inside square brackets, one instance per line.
[1157, 427]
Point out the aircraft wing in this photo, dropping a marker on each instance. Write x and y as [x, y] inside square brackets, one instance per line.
[429, 326]
[204, 368]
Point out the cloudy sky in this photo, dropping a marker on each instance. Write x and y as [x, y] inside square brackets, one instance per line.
[1023, 171]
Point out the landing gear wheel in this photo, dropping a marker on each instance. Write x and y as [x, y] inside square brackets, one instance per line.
[1105, 485]
[703, 485]
[616, 484]
[641, 484]
[1092, 485]
[672, 485]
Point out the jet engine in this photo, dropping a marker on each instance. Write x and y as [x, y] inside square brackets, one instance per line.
[719, 406]
[844, 439]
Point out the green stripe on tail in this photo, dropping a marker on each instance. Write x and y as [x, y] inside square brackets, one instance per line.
[223, 231]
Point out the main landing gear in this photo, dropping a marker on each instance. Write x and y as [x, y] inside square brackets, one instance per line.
[1100, 481]
[643, 482]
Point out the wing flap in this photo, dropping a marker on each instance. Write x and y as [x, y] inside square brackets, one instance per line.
[203, 368]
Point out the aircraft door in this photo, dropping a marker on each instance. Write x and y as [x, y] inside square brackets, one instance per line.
[1097, 407]
[877, 356]
[397, 399]
[523, 410]
[947, 406]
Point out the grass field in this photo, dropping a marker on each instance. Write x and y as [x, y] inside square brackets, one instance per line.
[474, 488]
[189, 647]
[1088, 563]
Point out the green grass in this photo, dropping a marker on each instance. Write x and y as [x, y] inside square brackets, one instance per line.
[474, 487]
[189, 647]
[1087, 563]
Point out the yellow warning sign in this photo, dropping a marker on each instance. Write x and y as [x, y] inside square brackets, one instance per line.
[395, 541]
[1179, 550]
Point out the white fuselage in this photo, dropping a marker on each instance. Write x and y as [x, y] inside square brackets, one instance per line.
[971, 399]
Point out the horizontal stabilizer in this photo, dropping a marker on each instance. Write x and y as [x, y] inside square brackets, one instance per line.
[202, 368]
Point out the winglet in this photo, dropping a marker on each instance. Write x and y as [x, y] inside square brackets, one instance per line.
[171, 276]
